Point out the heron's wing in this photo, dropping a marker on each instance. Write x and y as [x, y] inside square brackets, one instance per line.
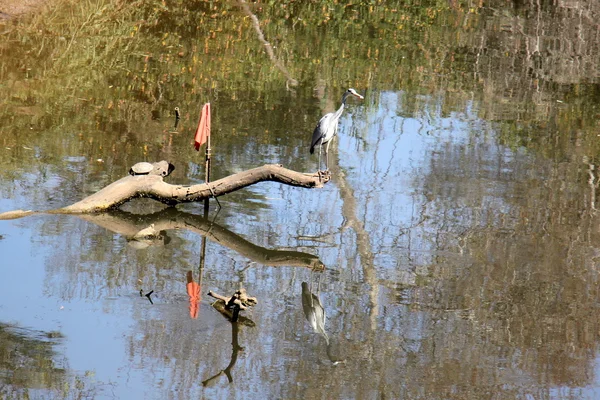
[320, 131]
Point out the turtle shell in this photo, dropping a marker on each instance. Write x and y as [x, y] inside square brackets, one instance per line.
[141, 168]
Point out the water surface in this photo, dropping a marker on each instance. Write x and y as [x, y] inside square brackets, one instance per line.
[454, 251]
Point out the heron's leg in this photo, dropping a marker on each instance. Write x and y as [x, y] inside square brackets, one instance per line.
[319, 285]
[310, 286]
[319, 165]
[327, 155]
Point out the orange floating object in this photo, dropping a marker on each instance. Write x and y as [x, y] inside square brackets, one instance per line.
[203, 130]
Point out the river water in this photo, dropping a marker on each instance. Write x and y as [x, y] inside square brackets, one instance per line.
[453, 253]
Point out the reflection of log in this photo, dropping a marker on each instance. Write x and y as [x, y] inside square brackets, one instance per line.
[129, 225]
[154, 187]
[261, 255]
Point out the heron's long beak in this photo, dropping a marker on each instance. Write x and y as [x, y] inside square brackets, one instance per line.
[359, 96]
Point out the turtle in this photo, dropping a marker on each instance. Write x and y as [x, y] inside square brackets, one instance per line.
[141, 168]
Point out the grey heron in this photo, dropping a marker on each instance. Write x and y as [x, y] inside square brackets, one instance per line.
[327, 128]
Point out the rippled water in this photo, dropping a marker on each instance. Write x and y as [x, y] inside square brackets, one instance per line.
[453, 254]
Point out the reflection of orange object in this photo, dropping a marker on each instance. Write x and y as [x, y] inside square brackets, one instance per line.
[193, 291]
[203, 130]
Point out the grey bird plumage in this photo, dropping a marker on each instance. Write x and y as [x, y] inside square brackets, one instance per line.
[327, 128]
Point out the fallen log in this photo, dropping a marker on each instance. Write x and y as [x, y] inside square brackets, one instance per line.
[153, 186]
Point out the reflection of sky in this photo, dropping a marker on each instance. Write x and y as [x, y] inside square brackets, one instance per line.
[383, 153]
[91, 331]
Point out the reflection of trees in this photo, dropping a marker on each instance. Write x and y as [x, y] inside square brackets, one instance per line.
[504, 284]
[28, 363]
[505, 296]
[537, 67]
[268, 48]
[530, 286]
[506, 289]
[106, 72]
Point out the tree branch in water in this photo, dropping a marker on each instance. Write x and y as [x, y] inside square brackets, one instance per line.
[153, 186]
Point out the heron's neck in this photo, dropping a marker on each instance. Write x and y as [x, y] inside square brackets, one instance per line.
[339, 110]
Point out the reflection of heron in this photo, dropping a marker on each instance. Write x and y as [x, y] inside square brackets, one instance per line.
[327, 128]
[315, 314]
[313, 310]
